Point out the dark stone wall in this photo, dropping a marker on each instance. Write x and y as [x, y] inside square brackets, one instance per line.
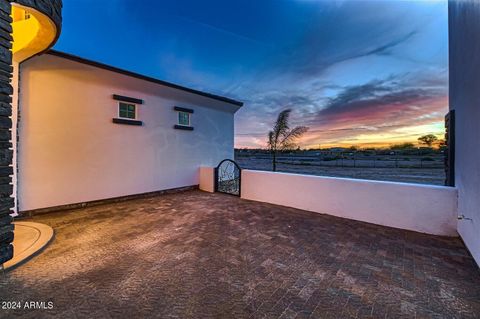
[53, 9]
[6, 152]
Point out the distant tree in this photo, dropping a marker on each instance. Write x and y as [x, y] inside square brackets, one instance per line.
[281, 137]
[442, 145]
[428, 139]
[401, 147]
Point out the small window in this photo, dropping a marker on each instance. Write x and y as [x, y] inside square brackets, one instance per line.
[127, 111]
[183, 118]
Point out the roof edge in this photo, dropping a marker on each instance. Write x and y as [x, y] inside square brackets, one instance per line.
[142, 77]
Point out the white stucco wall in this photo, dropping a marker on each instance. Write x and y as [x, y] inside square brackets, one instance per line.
[71, 152]
[464, 34]
[422, 208]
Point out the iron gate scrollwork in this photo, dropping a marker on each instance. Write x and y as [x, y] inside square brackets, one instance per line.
[228, 177]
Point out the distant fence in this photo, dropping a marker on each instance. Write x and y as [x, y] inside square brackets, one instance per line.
[368, 163]
[380, 161]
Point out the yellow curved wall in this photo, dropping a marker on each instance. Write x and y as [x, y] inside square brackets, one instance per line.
[33, 32]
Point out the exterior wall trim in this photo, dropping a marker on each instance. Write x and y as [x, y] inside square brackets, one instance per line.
[182, 109]
[127, 122]
[183, 127]
[127, 99]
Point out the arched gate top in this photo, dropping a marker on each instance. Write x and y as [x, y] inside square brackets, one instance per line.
[229, 160]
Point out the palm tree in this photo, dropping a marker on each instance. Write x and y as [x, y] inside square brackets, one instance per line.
[282, 137]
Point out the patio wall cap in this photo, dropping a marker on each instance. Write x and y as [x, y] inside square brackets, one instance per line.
[357, 180]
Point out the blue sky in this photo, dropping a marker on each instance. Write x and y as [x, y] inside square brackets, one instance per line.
[356, 72]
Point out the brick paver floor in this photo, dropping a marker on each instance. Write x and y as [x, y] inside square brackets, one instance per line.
[201, 255]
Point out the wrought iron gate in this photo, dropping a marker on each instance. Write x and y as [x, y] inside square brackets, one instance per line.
[228, 177]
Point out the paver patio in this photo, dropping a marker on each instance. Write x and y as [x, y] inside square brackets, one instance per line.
[202, 255]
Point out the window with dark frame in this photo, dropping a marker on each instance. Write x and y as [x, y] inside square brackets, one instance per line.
[183, 118]
[127, 110]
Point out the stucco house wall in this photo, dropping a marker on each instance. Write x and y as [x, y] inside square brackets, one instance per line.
[70, 151]
[464, 46]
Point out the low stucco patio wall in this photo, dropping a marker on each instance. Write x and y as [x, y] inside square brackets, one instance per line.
[207, 176]
[423, 208]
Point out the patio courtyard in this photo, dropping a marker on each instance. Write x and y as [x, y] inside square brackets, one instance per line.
[200, 255]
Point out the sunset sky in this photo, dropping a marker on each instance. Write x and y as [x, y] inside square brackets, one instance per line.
[369, 73]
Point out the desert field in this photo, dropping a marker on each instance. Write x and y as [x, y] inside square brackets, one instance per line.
[405, 168]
